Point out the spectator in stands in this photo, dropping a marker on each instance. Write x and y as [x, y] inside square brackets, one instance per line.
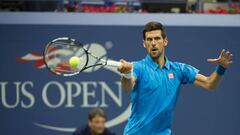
[96, 124]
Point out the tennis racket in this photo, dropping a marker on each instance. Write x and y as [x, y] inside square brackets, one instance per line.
[58, 52]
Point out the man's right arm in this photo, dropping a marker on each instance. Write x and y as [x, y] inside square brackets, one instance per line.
[128, 84]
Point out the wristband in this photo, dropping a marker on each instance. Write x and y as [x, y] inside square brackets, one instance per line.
[220, 70]
[128, 75]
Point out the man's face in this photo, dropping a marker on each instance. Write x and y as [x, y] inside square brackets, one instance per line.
[154, 43]
[97, 124]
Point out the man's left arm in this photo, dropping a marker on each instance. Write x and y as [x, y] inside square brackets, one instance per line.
[211, 82]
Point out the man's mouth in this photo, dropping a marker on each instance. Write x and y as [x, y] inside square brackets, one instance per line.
[154, 49]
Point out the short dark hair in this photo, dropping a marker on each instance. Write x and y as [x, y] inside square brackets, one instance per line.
[96, 112]
[151, 26]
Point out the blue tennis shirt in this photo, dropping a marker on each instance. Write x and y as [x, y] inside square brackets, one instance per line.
[155, 94]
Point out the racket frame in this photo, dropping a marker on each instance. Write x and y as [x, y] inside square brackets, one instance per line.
[74, 42]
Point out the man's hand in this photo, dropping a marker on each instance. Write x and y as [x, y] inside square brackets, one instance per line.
[224, 59]
[211, 82]
[125, 67]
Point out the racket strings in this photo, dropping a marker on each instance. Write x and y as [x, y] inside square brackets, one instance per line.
[58, 53]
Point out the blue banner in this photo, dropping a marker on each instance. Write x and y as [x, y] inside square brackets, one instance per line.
[34, 101]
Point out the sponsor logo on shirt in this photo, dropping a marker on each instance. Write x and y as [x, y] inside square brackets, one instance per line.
[170, 76]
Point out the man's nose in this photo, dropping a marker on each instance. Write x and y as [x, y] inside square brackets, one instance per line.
[153, 42]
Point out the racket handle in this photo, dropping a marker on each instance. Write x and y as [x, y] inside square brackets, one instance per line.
[113, 63]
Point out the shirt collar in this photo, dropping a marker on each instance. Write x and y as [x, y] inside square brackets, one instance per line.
[154, 65]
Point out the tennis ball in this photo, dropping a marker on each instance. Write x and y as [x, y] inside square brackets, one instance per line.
[74, 61]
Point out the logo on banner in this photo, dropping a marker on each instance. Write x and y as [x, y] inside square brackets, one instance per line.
[38, 60]
[98, 50]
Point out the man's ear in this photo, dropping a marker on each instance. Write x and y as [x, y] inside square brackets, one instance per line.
[165, 41]
[89, 123]
[144, 44]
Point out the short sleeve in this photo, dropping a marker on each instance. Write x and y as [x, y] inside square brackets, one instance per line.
[188, 73]
[136, 70]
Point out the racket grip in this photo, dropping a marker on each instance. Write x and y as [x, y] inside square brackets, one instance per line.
[113, 63]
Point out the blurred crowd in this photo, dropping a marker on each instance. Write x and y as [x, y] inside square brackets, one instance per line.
[124, 6]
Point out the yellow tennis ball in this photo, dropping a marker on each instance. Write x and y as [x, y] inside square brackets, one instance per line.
[74, 61]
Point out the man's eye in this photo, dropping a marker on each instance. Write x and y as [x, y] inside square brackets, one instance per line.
[157, 38]
[149, 39]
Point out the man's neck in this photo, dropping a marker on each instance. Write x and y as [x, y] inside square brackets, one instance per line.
[160, 61]
[93, 133]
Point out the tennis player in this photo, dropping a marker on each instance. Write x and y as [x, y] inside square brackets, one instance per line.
[155, 81]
